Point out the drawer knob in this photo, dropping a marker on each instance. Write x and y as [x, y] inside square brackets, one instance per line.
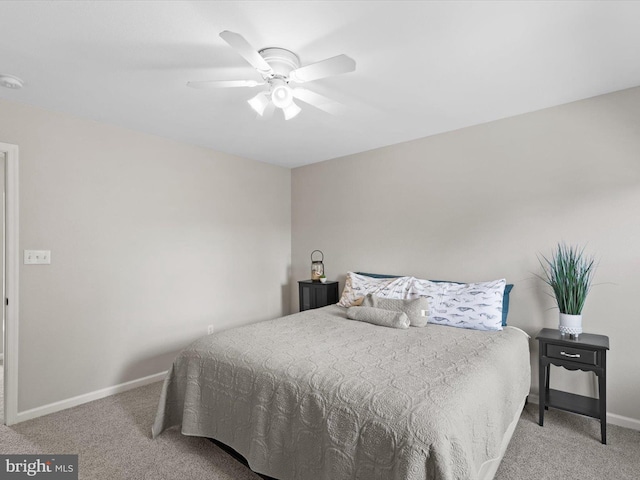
[575, 355]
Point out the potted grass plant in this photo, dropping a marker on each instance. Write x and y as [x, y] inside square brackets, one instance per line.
[569, 272]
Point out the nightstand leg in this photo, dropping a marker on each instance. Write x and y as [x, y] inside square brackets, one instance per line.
[602, 394]
[542, 386]
[546, 386]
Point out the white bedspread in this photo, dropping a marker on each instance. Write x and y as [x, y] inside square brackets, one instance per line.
[314, 396]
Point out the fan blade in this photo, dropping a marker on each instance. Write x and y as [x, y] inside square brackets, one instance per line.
[224, 84]
[319, 101]
[325, 68]
[244, 48]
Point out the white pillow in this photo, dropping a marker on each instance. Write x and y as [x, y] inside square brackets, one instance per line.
[465, 305]
[357, 286]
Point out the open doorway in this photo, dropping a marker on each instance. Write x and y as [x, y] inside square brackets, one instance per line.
[10, 273]
[2, 170]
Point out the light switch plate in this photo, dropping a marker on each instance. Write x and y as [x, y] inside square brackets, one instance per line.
[37, 257]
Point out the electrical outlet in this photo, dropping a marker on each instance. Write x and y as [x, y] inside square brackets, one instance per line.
[210, 329]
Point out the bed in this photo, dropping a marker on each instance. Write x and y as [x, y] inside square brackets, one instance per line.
[315, 396]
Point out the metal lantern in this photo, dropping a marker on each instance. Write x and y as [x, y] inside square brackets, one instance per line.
[317, 267]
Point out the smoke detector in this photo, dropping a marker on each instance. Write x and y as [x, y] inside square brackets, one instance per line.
[9, 81]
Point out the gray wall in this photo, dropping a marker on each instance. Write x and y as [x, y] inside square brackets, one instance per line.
[479, 204]
[137, 224]
[151, 241]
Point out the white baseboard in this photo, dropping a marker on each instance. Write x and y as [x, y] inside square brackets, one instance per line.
[612, 418]
[88, 397]
[621, 421]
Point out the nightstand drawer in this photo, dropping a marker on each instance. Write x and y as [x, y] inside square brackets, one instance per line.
[578, 355]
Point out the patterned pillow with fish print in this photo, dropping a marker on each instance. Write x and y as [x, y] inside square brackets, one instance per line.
[358, 286]
[464, 305]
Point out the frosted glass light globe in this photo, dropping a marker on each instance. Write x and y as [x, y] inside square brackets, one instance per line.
[281, 95]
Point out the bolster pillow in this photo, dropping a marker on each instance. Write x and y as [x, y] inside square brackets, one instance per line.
[416, 309]
[378, 316]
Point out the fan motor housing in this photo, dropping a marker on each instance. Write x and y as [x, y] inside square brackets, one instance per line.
[281, 60]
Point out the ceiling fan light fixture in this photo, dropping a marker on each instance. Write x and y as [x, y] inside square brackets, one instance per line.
[281, 94]
[259, 103]
[291, 111]
[278, 67]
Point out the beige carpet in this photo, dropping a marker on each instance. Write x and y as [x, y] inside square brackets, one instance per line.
[112, 438]
[568, 447]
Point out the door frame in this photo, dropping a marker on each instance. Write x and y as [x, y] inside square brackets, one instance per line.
[11, 286]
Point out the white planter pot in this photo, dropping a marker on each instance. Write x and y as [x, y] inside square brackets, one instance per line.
[571, 324]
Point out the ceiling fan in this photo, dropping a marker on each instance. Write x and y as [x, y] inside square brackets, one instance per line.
[279, 68]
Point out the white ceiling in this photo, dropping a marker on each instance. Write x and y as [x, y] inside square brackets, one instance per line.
[422, 67]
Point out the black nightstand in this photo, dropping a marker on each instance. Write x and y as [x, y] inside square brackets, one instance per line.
[587, 353]
[317, 294]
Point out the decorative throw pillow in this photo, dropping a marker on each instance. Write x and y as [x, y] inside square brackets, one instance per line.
[466, 305]
[379, 316]
[358, 286]
[417, 309]
[358, 301]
